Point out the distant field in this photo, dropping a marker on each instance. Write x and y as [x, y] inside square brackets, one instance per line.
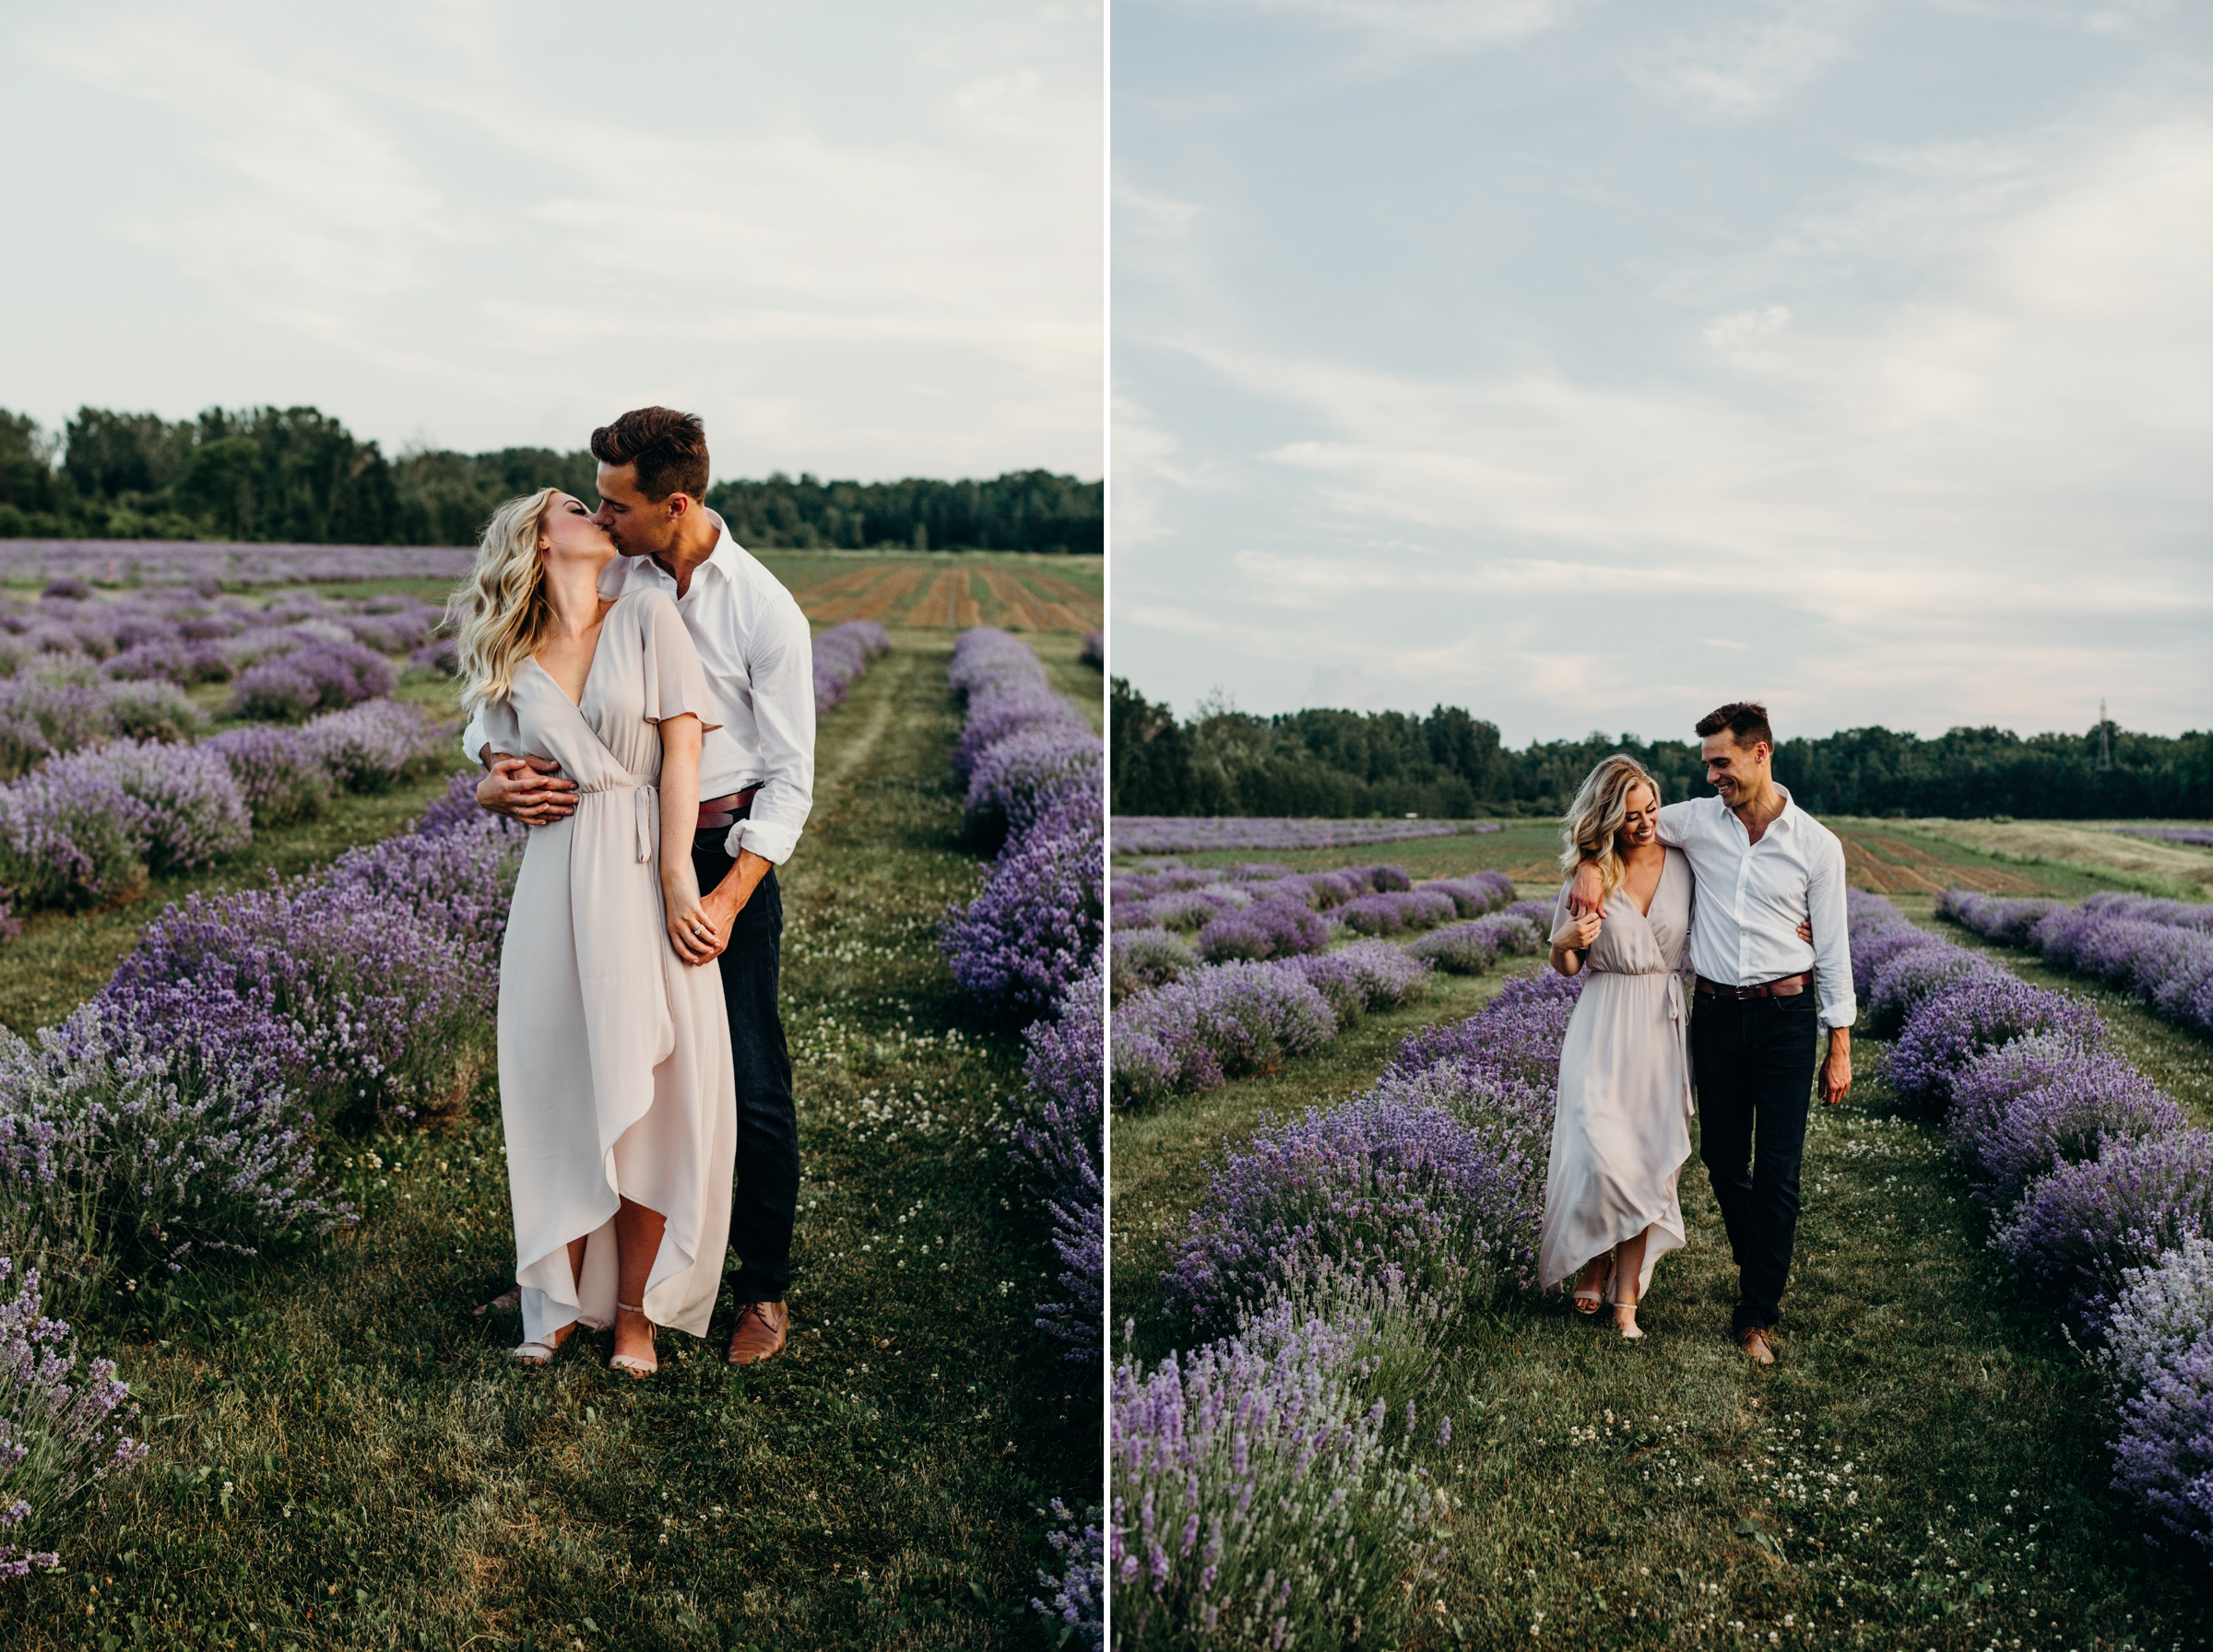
[941, 590]
[2065, 858]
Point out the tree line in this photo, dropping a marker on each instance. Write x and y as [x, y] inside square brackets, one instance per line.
[296, 475]
[1451, 765]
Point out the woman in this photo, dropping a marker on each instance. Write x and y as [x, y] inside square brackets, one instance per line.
[615, 1079]
[1623, 1127]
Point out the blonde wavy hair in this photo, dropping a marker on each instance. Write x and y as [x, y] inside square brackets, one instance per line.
[500, 616]
[1593, 820]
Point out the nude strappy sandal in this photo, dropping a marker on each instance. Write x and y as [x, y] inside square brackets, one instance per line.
[639, 1369]
[1587, 1297]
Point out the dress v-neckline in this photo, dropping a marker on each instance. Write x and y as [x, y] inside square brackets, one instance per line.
[578, 704]
[1643, 911]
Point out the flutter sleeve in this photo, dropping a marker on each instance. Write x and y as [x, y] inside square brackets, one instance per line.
[495, 726]
[676, 683]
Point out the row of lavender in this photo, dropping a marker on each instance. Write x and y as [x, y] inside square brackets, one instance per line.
[2197, 837]
[2161, 951]
[85, 829]
[1028, 948]
[231, 562]
[2099, 1194]
[1270, 1486]
[1274, 986]
[1179, 834]
[177, 1115]
[79, 670]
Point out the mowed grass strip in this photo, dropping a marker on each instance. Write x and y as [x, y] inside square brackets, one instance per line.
[344, 1455]
[1926, 1466]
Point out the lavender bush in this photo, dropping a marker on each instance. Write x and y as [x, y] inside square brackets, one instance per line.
[1516, 1037]
[1472, 947]
[1015, 781]
[1956, 1021]
[1384, 1179]
[118, 1153]
[1063, 1145]
[1264, 929]
[1218, 1023]
[1256, 1499]
[841, 655]
[1147, 958]
[2198, 836]
[384, 968]
[2023, 1109]
[1039, 920]
[58, 1438]
[2076, 1230]
[1368, 974]
[2161, 950]
[1911, 975]
[373, 746]
[322, 675]
[280, 780]
[166, 563]
[1078, 1592]
[1092, 651]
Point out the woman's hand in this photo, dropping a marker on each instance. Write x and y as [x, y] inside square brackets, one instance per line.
[1805, 932]
[1575, 933]
[691, 929]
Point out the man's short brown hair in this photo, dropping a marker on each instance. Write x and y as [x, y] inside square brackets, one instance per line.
[668, 448]
[1747, 721]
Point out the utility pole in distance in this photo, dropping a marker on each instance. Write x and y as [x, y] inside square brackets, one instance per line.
[2105, 737]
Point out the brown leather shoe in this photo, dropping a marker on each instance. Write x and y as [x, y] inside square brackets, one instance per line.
[1754, 1342]
[760, 1332]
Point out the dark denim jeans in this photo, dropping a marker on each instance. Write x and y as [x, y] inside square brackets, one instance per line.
[1754, 1063]
[766, 1192]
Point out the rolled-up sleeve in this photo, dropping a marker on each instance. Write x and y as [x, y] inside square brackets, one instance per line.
[1832, 938]
[780, 661]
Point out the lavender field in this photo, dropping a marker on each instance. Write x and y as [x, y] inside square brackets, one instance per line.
[1324, 1231]
[280, 1254]
[121, 563]
[1181, 834]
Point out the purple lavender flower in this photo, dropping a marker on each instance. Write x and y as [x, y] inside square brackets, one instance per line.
[325, 674]
[1257, 1498]
[1379, 1180]
[1961, 1020]
[1217, 1023]
[373, 746]
[841, 655]
[58, 1437]
[1472, 947]
[1078, 1594]
[1144, 959]
[1907, 977]
[1264, 929]
[1062, 1145]
[281, 782]
[1367, 975]
[1477, 894]
[1516, 1037]
[2025, 1108]
[1017, 779]
[1039, 920]
[2078, 1229]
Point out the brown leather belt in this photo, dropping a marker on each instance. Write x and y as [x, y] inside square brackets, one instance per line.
[1783, 988]
[717, 813]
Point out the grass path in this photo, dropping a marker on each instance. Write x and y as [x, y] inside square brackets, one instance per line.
[1926, 1466]
[344, 1457]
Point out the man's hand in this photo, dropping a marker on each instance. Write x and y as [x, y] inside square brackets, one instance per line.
[1836, 1072]
[1587, 895]
[729, 897]
[529, 789]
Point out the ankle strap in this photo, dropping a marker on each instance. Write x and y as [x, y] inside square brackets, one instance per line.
[636, 1307]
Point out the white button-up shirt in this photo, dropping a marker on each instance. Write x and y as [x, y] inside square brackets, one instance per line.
[1752, 897]
[759, 654]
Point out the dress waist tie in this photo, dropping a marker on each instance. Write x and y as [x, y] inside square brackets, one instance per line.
[649, 792]
[1678, 1011]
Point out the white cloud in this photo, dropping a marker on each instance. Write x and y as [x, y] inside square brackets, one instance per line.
[1439, 22]
[1748, 63]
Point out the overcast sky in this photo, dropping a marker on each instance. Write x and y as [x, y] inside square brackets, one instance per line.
[1590, 363]
[861, 240]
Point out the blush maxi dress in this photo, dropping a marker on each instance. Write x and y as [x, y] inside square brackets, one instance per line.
[615, 1066]
[1622, 1131]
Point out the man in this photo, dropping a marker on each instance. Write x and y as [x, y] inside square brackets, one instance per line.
[1763, 866]
[756, 779]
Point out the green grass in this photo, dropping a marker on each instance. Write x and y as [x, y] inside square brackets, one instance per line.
[1648, 1495]
[345, 1456]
